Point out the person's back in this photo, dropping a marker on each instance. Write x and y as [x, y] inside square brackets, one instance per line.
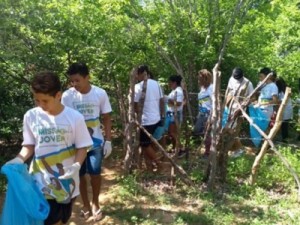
[238, 86]
[151, 110]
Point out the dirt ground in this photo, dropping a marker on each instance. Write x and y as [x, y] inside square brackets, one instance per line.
[110, 171]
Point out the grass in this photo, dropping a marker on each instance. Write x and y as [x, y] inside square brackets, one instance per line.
[148, 199]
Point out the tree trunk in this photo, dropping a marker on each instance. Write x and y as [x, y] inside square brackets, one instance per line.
[268, 138]
[129, 129]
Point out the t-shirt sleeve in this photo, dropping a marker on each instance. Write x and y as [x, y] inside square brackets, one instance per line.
[179, 95]
[210, 91]
[137, 92]
[64, 99]
[28, 137]
[105, 106]
[250, 88]
[230, 86]
[274, 90]
[161, 92]
[82, 136]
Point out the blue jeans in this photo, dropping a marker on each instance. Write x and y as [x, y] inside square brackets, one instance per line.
[93, 162]
[172, 118]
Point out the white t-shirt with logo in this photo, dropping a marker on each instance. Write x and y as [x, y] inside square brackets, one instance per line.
[266, 95]
[56, 139]
[151, 110]
[91, 106]
[204, 98]
[178, 94]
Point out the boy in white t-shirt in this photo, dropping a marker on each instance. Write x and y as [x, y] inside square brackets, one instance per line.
[238, 87]
[153, 111]
[92, 102]
[57, 138]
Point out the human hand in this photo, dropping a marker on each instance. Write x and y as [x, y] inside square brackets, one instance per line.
[107, 149]
[71, 171]
[16, 160]
[257, 105]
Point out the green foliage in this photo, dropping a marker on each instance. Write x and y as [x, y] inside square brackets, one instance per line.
[170, 36]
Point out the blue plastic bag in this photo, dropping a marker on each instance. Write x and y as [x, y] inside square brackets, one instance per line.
[261, 120]
[24, 203]
[161, 130]
[225, 116]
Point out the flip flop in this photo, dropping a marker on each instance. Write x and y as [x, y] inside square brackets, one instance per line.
[97, 215]
[85, 214]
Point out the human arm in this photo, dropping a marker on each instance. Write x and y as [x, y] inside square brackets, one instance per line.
[107, 126]
[25, 153]
[162, 107]
[82, 143]
[107, 130]
[80, 155]
[73, 170]
[172, 102]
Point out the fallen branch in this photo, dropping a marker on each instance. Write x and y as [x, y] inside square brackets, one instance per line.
[185, 178]
[268, 141]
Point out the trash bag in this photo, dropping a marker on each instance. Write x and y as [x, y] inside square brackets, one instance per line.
[261, 120]
[24, 203]
[161, 130]
[225, 116]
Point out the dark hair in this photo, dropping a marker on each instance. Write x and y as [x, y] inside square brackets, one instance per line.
[176, 78]
[281, 85]
[265, 71]
[237, 73]
[205, 77]
[46, 83]
[78, 68]
[142, 69]
[274, 76]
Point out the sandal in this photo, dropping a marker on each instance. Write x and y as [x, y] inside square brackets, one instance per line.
[97, 215]
[85, 214]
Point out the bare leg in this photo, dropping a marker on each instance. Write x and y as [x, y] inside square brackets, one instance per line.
[150, 154]
[172, 133]
[95, 183]
[84, 194]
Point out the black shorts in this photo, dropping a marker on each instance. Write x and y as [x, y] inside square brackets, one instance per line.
[59, 212]
[144, 139]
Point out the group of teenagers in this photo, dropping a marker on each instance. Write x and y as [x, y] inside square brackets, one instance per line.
[167, 110]
[64, 140]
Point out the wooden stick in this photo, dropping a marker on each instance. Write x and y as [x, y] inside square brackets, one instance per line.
[185, 178]
[268, 141]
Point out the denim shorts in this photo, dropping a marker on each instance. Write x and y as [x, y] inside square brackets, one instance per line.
[172, 118]
[93, 162]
